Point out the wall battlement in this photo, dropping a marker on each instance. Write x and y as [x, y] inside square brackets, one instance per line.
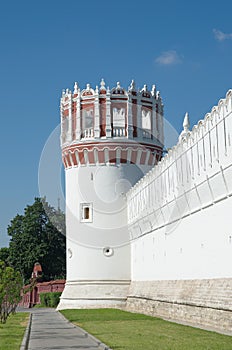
[195, 174]
[179, 217]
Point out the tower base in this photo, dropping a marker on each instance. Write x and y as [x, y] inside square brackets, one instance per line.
[94, 294]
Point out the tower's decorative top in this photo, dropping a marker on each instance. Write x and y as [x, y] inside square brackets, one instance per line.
[118, 90]
[103, 115]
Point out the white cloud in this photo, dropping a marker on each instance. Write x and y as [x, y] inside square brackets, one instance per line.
[220, 36]
[168, 58]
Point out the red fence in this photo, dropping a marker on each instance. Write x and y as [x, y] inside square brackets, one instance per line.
[31, 293]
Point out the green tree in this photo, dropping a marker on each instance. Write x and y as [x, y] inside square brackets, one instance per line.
[4, 254]
[36, 236]
[10, 290]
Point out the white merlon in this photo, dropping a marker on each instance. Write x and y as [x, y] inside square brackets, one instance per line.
[186, 123]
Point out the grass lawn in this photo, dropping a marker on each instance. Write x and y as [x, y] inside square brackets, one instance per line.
[124, 330]
[12, 332]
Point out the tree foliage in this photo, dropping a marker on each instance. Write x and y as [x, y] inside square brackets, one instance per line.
[10, 289]
[36, 236]
[4, 254]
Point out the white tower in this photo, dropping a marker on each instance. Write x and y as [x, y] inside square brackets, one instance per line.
[109, 140]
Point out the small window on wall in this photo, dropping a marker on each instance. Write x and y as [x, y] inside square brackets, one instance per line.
[86, 212]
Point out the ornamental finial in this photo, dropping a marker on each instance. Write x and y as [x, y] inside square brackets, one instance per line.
[102, 84]
[132, 85]
[87, 87]
[153, 90]
[75, 88]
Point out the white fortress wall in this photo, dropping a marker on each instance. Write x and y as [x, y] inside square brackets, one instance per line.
[179, 218]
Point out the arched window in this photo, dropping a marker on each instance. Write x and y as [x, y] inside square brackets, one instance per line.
[119, 121]
[87, 123]
[146, 123]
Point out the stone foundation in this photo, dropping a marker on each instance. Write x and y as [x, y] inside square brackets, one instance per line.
[206, 303]
[94, 294]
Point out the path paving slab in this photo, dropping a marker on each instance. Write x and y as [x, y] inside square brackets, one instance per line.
[50, 330]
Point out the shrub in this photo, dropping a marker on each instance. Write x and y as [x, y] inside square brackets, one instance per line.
[43, 299]
[10, 288]
[50, 299]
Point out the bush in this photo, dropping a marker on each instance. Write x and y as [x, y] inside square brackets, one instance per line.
[10, 288]
[50, 299]
[43, 299]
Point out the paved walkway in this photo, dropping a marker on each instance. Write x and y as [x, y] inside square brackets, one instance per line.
[50, 330]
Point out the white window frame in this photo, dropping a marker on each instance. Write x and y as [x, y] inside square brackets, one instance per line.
[83, 207]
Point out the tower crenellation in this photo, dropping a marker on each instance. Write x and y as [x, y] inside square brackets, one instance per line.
[130, 119]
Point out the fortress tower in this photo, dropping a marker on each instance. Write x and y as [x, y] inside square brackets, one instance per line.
[109, 140]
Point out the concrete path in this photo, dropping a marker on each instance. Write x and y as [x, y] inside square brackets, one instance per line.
[50, 330]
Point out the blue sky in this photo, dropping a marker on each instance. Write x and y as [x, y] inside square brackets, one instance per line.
[185, 48]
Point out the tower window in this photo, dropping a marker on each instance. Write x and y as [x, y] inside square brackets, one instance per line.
[86, 212]
[146, 123]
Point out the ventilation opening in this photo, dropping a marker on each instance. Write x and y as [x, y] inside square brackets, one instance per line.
[107, 251]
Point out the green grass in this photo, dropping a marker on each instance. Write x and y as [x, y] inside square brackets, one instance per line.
[124, 330]
[12, 332]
